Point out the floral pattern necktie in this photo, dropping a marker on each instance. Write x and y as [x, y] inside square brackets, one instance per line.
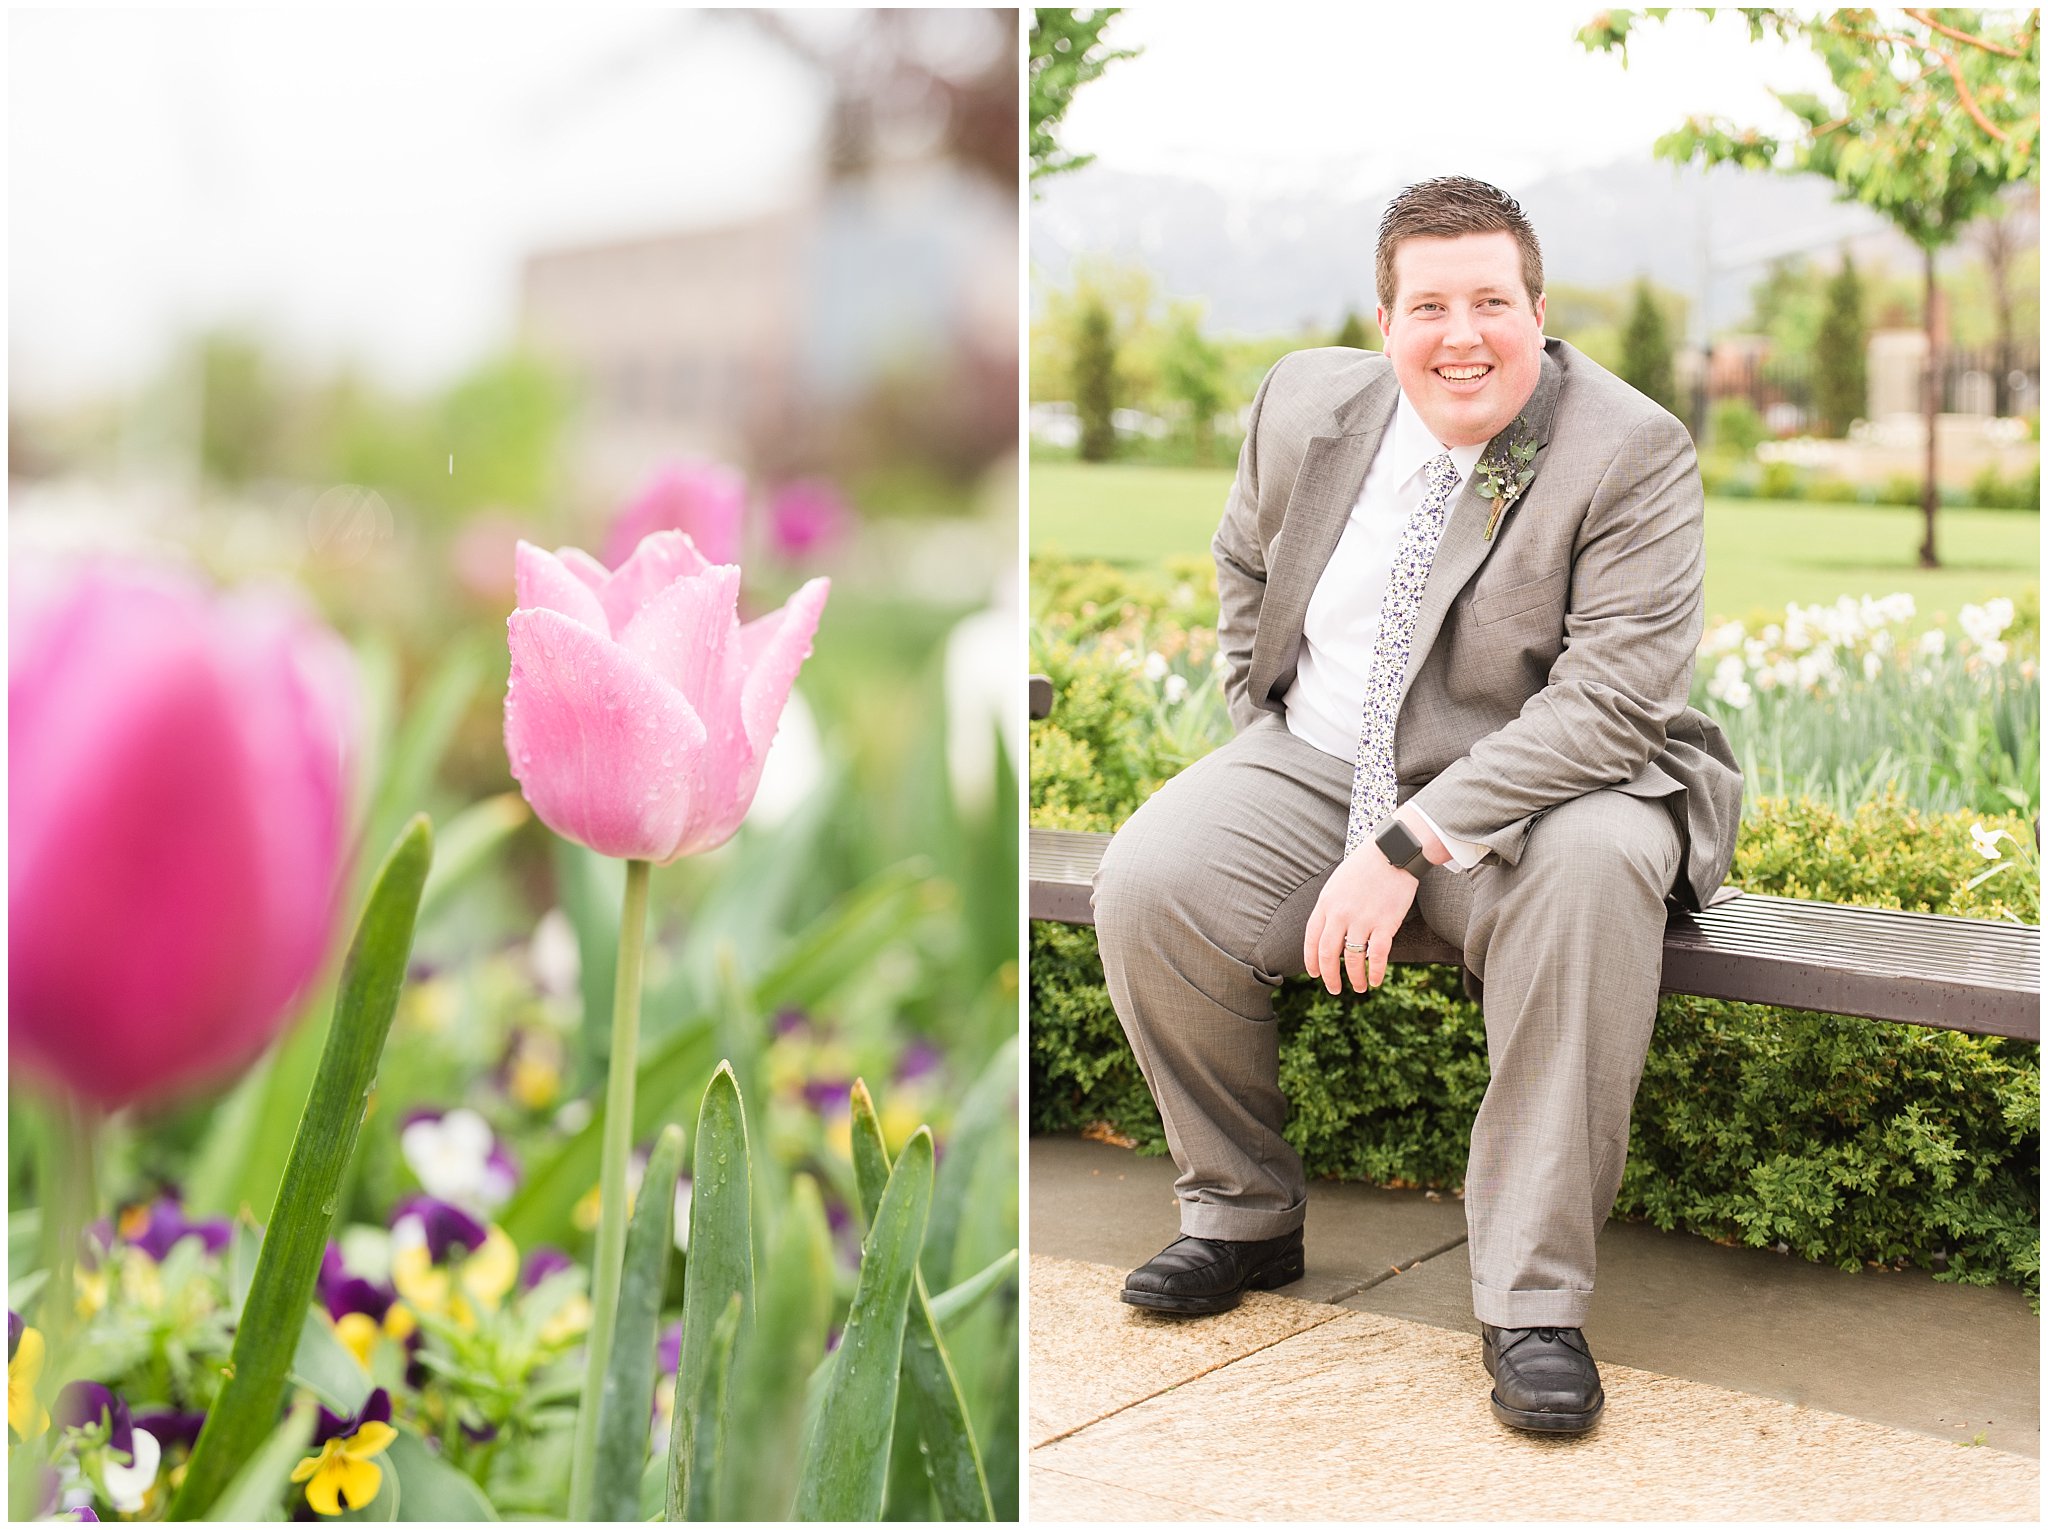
[1372, 773]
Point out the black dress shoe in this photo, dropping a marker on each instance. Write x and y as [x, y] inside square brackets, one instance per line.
[1544, 1379]
[1197, 1275]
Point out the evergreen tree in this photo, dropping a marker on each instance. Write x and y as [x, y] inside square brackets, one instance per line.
[1646, 350]
[1354, 333]
[1838, 353]
[1094, 367]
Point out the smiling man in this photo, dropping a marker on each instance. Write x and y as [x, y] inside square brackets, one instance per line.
[1461, 591]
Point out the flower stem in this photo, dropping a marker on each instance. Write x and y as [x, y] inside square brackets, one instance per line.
[611, 1216]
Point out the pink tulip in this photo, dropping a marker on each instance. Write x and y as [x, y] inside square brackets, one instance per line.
[640, 711]
[703, 500]
[806, 516]
[177, 822]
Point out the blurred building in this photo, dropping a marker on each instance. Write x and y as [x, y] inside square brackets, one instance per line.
[762, 342]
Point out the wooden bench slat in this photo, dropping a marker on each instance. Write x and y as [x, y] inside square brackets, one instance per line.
[1923, 969]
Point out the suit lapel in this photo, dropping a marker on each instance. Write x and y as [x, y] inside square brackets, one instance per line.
[1325, 488]
[1464, 546]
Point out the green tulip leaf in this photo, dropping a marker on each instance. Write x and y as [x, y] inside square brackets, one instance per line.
[936, 1409]
[467, 843]
[257, 1487]
[949, 1306]
[628, 1395]
[432, 1489]
[793, 1316]
[272, 1320]
[707, 1466]
[721, 1263]
[845, 1466]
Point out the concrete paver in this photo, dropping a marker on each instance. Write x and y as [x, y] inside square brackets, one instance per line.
[1108, 1356]
[1898, 1347]
[1369, 1417]
[1095, 1201]
[1741, 1384]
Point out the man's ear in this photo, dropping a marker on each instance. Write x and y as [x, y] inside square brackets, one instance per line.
[1380, 316]
[1539, 308]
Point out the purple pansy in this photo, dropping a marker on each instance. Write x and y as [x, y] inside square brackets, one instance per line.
[828, 1096]
[447, 1227]
[167, 1224]
[14, 1327]
[343, 1293]
[791, 1022]
[919, 1058]
[544, 1261]
[88, 1405]
[669, 1352]
[376, 1409]
[171, 1427]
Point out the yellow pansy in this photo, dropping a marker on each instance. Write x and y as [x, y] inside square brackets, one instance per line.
[358, 1334]
[483, 1278]
[25, 1415]
[571, 1319]
[343, 1476]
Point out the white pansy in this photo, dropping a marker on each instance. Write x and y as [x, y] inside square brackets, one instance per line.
[1986, 840]
[1176, 690]
[452, 1159]
[554, 956]
[126, 1485]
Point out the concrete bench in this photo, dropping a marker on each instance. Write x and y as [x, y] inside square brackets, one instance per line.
[1971, 975]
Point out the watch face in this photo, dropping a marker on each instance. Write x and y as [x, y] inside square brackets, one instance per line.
[1398, 844]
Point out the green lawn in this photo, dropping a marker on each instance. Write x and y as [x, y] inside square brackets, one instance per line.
[1760, 553]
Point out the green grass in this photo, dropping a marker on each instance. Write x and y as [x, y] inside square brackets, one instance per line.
[1760, 553]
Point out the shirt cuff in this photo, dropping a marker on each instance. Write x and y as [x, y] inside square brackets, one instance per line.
[1464, 854]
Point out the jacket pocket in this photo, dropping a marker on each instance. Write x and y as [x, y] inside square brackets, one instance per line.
[1498, 605]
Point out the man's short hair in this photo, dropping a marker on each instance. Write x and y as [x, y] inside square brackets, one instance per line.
[1445, 208]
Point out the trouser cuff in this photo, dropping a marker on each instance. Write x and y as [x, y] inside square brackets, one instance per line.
[1239, 1224]
[1531, 1309]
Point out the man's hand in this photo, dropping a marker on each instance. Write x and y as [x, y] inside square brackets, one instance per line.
[1362, 905]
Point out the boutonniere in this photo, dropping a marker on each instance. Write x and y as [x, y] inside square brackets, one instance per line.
[1504, 475]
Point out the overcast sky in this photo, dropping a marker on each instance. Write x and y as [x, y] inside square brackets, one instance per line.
[1297, 98]
[365, 183]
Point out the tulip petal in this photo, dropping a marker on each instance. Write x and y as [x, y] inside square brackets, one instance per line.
[773, 648]
[657, 562]
[548, 582]
[688, 634]
[177, 774]
[584, 567]
[601, 745]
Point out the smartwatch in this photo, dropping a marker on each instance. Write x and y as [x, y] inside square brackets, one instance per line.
[1400, 846]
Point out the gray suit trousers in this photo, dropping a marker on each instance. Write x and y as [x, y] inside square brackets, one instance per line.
[1201, 905]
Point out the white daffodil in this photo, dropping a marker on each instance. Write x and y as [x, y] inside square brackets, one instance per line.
[1176, 690]
[1155, 666]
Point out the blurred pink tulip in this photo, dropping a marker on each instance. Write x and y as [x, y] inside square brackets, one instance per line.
[703, 500]
[640, 711]
[807, 516]
[176, 816]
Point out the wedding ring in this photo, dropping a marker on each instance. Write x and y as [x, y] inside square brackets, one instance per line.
[1350, 947]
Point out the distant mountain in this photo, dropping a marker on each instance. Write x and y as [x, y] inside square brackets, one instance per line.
[1270, 265]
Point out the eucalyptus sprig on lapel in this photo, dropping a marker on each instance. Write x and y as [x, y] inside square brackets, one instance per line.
[1504, 475]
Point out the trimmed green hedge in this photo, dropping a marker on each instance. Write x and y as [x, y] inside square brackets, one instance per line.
[1842, 1140]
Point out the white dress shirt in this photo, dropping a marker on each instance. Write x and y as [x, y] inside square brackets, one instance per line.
[1326, 703]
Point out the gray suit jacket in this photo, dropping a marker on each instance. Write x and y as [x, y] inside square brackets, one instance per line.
[1548, 662]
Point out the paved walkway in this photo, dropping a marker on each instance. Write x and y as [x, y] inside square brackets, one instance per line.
[1740, 1385]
